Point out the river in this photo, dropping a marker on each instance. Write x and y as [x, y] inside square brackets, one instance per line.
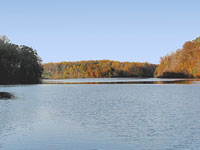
[118, 116]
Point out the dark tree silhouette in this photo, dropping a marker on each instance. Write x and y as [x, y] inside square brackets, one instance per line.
[18, 64]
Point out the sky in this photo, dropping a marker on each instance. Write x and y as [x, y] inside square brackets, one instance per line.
[122, 30]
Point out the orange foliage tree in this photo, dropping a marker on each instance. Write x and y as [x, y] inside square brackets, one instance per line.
[97, 69]
[183, 63]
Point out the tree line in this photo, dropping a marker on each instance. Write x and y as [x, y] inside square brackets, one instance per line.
[184, 62]
[18, 64]
[21, 64]
[97, 69]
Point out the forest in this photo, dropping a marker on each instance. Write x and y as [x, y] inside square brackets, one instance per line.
[21, 64]
[18, 64]
[183, 63]
[97, 69]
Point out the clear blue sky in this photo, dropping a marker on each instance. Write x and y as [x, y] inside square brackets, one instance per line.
[123, 30]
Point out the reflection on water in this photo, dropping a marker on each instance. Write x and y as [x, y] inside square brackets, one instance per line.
[101, 117]
[119, 81]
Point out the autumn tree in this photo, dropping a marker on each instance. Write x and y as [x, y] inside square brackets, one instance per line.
[182, 63]
[97, 69]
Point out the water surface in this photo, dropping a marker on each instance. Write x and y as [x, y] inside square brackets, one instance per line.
[100, 117]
